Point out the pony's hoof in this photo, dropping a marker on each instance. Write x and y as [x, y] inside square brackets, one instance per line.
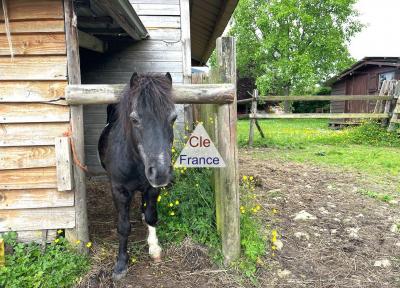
[118, 276]
[156, 258]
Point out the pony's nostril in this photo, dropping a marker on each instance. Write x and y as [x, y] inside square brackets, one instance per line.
[152, 172]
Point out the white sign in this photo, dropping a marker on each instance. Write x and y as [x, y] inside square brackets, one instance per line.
[199, 151]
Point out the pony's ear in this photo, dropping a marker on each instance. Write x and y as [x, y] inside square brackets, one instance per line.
[169, 77]
[134, 79]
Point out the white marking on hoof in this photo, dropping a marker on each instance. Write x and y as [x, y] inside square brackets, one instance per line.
[154, 248]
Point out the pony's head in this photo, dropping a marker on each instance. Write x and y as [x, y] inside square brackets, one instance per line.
[148, 114]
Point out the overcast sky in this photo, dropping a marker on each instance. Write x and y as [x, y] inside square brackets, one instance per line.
[379, 38]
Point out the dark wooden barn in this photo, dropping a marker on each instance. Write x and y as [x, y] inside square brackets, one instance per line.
[363, 78]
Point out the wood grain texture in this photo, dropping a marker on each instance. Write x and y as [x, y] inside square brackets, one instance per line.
[34, 26]
[33, 68]
[321, 116]
[64, 164]
[34, 198]
[37, 236]
[28, 178]
[182, 93]
[161, 22]
[26, 157]
[157, 9]
[81, 228]
[39, 44]
[31, 91]
[168, 34]
[28, 9]
[228, 183]
[29, 134]
[33, 112]
[324, 98]
[35, 219]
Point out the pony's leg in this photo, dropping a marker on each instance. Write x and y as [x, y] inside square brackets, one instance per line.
[150, 216]
[122, 200]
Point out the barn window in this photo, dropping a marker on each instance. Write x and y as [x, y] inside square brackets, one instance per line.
[385, 76]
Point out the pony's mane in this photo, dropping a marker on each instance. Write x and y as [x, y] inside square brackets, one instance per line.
[151, 93]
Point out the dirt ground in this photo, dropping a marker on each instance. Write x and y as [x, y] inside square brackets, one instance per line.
[352, 242]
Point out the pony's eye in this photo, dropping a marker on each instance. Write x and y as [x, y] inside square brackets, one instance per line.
[134, 118]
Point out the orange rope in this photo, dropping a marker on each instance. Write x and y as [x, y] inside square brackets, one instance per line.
[74, 154]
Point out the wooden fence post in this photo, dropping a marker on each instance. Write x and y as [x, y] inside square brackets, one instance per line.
[253, 111]
[81, 230]
[396, 110]
[228, 178]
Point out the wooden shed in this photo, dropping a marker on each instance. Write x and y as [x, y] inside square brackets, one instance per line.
[363, 78]
[44, 143]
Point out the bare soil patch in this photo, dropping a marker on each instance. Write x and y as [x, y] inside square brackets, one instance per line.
[337, 249]
[351, 232]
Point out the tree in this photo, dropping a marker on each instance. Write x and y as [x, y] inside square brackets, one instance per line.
[291, 45]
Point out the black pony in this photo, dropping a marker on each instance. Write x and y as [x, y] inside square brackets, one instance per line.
[135, 150]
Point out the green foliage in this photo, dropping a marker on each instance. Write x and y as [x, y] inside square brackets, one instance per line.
[291, 45]
[311, 106]
[187, 209]
[59, 265]
[252, 238]
[376, 195]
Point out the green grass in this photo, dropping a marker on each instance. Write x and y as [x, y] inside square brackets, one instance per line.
[367, 148]
[30, 266]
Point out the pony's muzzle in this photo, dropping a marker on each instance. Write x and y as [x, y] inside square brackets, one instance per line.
[159, 175]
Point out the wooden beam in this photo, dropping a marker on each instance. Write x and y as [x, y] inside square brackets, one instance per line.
[182, 93]
[123, 13]
[228, 184]
[81, 229]
[91, 42]
[322, 98]
[63, 164]
[187, 57]
[321, 116]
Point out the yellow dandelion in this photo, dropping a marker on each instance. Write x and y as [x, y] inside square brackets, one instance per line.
[173, 150]
[89, 244]
[251, 178]
[273, 247]
[172, 213]
[145, 204]
[176, 202]
[274, 211]
[56, 240]
[244, 178]
[171, 204]
[133, 260]
[159, 198]
[258, 207]
[77, 242]
[59, 231]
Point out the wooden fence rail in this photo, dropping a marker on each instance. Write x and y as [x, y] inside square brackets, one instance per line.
[385, 107]
[182, 93]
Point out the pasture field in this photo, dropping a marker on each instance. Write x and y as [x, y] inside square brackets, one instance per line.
[367, 148]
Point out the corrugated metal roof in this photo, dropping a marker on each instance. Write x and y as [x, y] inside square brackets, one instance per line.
[208, 19]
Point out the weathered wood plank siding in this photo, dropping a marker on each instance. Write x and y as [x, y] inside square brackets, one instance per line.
[33, 114]
[162, 52]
